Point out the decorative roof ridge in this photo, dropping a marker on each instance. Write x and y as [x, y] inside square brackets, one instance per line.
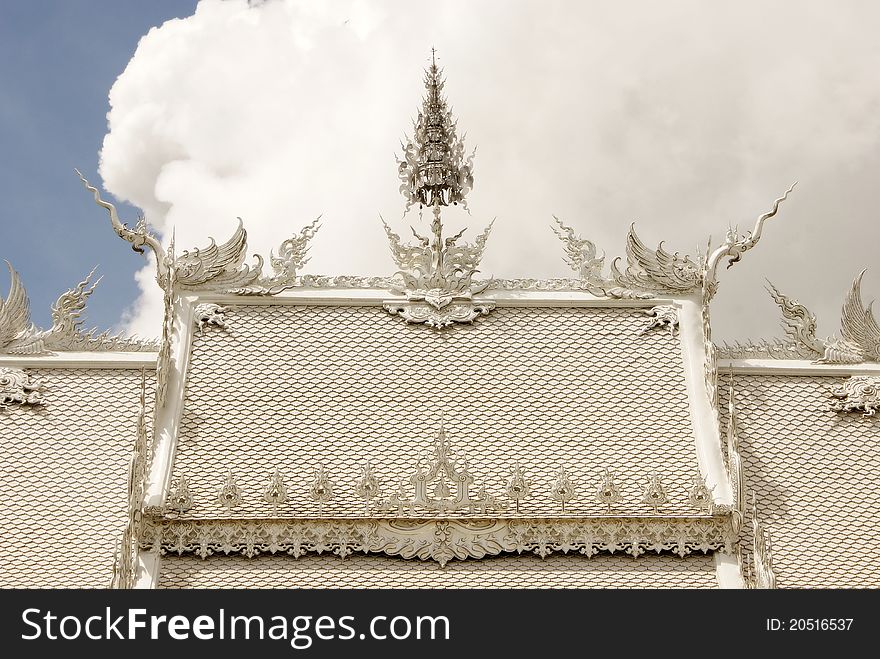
[658, 271]
[218, 268]
[19, 336]
[860, 333]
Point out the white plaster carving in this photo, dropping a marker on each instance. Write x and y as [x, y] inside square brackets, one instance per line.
[442, 483]
[860, 393]
[180, 499]
[563, 488]
[125, 565]
[210, 314]
[18, 387]
[441, 540]
[656, 271]
[859, 341]
[664, 315]
[367, 487]
[654, 494]
[608, 493]
[759, 574]
[18, 336]
[275, 493]
[321, 489]
[229, 494]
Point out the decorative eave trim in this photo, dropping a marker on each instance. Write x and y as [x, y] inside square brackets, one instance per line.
[794, 367]
[441, 540]
[83, 360]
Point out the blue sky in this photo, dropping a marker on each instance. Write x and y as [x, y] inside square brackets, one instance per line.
[58, 60]
[684, 116]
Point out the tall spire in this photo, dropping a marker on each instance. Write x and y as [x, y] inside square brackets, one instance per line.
[434, 170]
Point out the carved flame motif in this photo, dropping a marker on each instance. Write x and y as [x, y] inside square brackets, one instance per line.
[19, 388]
[437, 275]
[608, 493]
[321, 489]
[860, 393]
[700, 496]
[441, 483]
[367, 487]
[657, 271]
[275, 493]
[654, 494]
[518, 487]
[180, 498]
[229, 494]
[563, 489]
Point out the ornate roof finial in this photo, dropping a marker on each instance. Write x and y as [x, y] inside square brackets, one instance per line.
[434, 170]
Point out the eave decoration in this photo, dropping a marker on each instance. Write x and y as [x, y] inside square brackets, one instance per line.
[859, 393]
[859, 341]
[19, 336]
[18, 387]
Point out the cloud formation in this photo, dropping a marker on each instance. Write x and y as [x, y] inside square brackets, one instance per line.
[681, 116]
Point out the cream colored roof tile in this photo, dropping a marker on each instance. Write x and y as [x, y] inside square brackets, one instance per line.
[64, 470]
[292, 387]
[516, 571]
[815, 473]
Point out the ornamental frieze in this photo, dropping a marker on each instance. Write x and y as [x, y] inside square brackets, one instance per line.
[441, 540]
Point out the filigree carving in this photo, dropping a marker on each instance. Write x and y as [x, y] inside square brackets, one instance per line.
[518, 487]
[139, 237]
[608, 493]
[180, 499]
[229, 494]
[655, 271]
[321, 489]
[761, 574]
[563, 489]
[18, 336]
[218, 267]
[210, 314]
[654, 494]
[735, 245]
[434, 170]
[275, 493]
[664, 315]
[859, 393]
[437, 278]
[860, 333]
[700, 495]
[735, 473]
[439, 470]
[126, 559]
[441, 540]
[292, 257]
[367, 487]
[18, 387]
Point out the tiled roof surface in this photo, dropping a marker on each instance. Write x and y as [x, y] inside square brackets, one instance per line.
[516, 571]
[815, 473]
[64, 469]
[293, 387]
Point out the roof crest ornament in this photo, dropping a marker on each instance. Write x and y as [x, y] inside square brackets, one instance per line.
[859, 341]
[18, 336]
[436, 272]
[655, 271]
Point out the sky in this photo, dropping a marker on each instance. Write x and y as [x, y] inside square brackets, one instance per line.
[683, 117]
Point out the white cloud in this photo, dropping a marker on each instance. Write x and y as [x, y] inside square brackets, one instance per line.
[681, 115]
